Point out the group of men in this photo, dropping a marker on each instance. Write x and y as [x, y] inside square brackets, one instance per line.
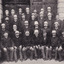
[31, 35]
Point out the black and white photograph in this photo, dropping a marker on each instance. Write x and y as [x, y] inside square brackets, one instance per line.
[31, 31]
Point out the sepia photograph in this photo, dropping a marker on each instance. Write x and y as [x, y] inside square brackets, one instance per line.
[31, 31]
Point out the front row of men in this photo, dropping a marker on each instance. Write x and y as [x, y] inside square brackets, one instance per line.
[32, 46]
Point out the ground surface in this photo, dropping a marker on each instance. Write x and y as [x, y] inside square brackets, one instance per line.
[39, 61]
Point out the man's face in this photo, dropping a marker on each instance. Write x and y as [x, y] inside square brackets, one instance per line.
[6, 12]
[27, 10]
[6, 35]
[20, 10]
[27, 33]
[17, 34]
[14, 27]
[44, 34]
[3, 26]
[12, 11]
[36, 33]
[49, 9]
[49, 16]
[23, 16]
[33, 17]
[56, 24]
[26, 23]
[45, 24]
[15, 17]
[53, 34]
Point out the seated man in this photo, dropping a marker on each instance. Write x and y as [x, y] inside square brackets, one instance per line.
[17, 46]
[27, 46]
[61, 48]
[36, 42]
[54, 45]
[7, 46]
[44, 45]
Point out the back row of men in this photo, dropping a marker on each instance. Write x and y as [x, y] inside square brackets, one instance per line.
[30, 21]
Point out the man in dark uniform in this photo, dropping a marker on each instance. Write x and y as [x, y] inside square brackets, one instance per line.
[7, 23]
[20, 11]
[12, 19]
[54, 45]
[36, 14]
[45, 44]
[23, 20]
[7, 46]
[59, 21]
[26, 25]
[49, 20]
[16, 22]
[57, 27]
[27, 13]
[13, 31]
[36, 42]
[46, 28]
[6, 15]
[27, 46]
[36, 24]
[3, 29]
[41, 19]
[61, 48]
[17, 46]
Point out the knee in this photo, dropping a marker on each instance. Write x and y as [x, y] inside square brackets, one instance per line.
[47, 48]
[20, 47]
[42, 48]
[5, 49]
[24, 49]
[15, 47]
[31, 48]
[60, 48]
[11, 49]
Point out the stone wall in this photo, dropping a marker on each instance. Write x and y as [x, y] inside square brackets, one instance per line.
[1, 12]
[61, 9]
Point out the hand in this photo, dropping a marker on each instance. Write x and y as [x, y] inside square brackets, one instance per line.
[11, 48]
[31, 48]
[24, 49]
[56, 48]
[5, 49]
[15, 47]
[42, 47]
[50, 47]
[36, 46]
[20, 46]
[60, 48]
[47, 47]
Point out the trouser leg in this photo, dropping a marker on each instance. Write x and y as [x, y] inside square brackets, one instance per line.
[50, 53]
[43, 53]
[20, 54]
[60, 55]
[15, 54]
[24, 55]
[6, 55]
[56, 51]
[11, 55]
[47, 53]
[31, 57]
[0, 53]
[35, 52]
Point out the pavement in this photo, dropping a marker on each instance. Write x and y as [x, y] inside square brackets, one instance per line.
[39, 61]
